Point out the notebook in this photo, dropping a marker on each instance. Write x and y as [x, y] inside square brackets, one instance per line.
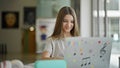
[87, 52]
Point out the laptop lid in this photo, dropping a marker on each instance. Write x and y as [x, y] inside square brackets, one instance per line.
[87, 52]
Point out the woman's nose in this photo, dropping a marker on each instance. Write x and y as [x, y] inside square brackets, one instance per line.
[68, 24]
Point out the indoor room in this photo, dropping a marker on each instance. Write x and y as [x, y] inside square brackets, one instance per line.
[25, 25]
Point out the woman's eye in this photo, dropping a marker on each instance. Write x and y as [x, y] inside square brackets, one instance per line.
[64, 21]
[72, 22]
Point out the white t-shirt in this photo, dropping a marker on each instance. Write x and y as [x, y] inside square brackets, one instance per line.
[55, 47]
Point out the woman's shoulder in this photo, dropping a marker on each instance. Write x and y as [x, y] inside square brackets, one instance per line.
[53, 38]
[49, 38]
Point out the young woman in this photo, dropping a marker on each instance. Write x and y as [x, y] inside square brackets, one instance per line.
[66, 26]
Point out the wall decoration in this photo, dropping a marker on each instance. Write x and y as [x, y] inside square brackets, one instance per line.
[10, 19]
[29, 15]
[44, 29]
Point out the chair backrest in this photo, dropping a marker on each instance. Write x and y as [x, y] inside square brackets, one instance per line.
[50, 64]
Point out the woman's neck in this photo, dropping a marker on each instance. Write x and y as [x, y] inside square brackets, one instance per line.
[67, 35]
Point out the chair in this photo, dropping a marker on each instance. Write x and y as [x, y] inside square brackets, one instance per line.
[50, 64]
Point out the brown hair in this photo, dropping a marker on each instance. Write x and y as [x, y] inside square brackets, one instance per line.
[58, 26]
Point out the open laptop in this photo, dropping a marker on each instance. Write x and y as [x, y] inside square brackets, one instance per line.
[87, 52]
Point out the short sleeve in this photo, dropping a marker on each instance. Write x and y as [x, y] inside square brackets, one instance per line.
[48, 46]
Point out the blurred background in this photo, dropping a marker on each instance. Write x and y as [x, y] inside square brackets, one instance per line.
[32, 21]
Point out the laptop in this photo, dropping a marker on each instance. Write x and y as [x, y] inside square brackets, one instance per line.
[87, 52]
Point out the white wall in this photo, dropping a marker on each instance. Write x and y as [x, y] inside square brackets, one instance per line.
[85, 15]
[12, 37]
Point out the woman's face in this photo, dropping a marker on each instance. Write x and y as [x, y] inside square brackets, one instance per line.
[68, 23]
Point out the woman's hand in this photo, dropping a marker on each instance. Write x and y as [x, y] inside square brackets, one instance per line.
[46, 56]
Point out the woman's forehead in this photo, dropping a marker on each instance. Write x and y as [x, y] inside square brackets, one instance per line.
[68, 16]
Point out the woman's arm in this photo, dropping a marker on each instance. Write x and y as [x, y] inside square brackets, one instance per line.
[45, 54]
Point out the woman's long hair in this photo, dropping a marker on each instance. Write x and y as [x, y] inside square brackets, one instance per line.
[59, 22]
